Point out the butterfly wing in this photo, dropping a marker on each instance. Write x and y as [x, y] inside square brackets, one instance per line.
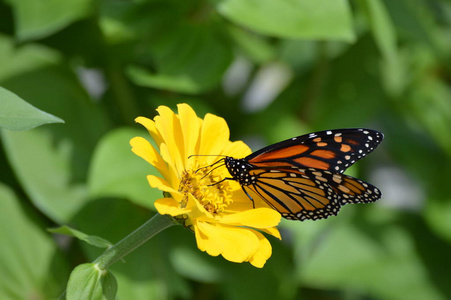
[333, 150]
[301, 194]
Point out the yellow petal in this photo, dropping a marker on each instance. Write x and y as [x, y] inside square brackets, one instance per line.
[168, 126]
[233, 243]
[163, 185]
[240, 196]
[169, 206]
[272, 231]
[190, 125]
[242, 202]
[173, 175]
[203, 242]
[145, 150]
[198, 211]
[256, 218]
[263, 253]
[214, 135]
[236, 149]
[150, 126]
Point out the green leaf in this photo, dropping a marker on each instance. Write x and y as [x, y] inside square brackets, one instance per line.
[50, 161]
[254, 46]
[180, 56]
[379, 258]
[382, 28]
[193, 264]
[17, 114]
[37, 19]
[44, 172]
[31, 266]
[90, 239]
[117, 172]
[385, 36]
[321, 19]
[88, 282]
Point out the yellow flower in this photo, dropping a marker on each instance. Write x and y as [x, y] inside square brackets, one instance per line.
[220, 214]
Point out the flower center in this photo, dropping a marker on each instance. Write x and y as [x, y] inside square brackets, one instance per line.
[206, 187]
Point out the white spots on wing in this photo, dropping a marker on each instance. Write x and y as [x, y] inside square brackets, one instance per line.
[336, 178]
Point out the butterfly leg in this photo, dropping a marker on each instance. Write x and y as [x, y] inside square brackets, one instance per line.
[249, 196]
[227, 178]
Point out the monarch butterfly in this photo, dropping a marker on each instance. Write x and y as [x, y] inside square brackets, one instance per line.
[302, 177]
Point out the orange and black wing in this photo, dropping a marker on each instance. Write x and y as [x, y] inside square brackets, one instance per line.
[333, 150]
[313, 194]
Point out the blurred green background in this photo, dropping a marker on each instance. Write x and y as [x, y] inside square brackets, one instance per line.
[273, 70]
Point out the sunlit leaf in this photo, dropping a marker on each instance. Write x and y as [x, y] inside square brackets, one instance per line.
[385, 264]
[180, 60]
[323, 19]
[90, 239]
[385, 36]
[117, 172]
[44, 171]
[30, 263]
[37, 19]
[16, 114]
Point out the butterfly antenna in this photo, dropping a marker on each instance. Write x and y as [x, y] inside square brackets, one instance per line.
[209, 166]
[192, 155]
[223, 164]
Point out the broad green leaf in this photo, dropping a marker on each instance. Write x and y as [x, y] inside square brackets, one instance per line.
[193, 264]
[44, 171]
[88, 282]
[352, 90]
[381, 260]
[50, 162]
[117, 172]
[438, 216]
[38, 19]
[143, 77]
[419, 23]
[16, 61]
[31, 266]
[321, 19]
[189, 59]
[385, 36]
[16, 114]
[90, 239]
[255, 47]
[429, 101]
[382, 28]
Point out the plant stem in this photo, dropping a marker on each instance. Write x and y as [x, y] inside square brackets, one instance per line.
[135, 239]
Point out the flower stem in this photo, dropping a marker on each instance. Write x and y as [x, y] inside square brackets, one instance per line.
[135, 239]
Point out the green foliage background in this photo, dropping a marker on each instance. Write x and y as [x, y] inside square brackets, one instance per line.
[273, 70]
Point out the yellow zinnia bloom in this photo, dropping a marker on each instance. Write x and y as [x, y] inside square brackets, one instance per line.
[222, 217]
